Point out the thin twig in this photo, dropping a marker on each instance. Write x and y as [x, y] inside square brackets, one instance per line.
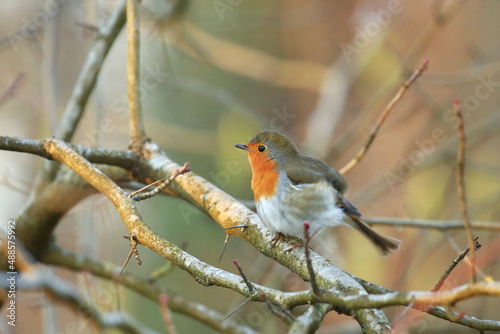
[163, 185]
[279, 310]
[312, 274]
[89, 73]
[88, 26]
[227, 238]
[248, 300]
[441, 225]
[164, 270]
[11, 91]
[66, 293]
[141, 285]
[166, 314]
[457, 108]
[133, 250]
[439, 283]
[224, 246]
[137, 130]
[251, 289]
[453, 264]
[249, 284]
[373, 133]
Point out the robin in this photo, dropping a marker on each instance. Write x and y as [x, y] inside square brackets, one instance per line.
[290, 189]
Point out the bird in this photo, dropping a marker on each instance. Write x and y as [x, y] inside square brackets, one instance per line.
[291, 189]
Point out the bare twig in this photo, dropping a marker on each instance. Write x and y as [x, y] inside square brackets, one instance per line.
[165, 269]
[143, 286]
[163, 185]
[84, 85]
[165, 313]
[447, 12]
[278, 310]
[373, 133]
[137, 130]
[229, 212]
[88, 26]
[11, 91]
[133, 250]
[42, 279]
[310, 269]
[310, 321]
[352, 302]
[457, 108]
[249, 284]
[453, 264]
[226, 239]
[440, 225]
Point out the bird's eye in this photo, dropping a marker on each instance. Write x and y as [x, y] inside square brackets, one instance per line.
[261, 148]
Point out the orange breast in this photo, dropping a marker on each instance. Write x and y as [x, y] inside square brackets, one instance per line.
[264, 175]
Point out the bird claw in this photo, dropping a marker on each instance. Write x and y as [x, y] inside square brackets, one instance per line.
[297, 244]
[293, 244]
[275, 240]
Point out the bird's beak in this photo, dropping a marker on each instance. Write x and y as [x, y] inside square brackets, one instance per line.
[243, 147]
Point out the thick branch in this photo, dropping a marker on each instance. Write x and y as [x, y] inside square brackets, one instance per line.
[40, 279]
[352, 302]
[146, 288]
[228, 212]
[124, 159]
[40, 217]
[438, 311]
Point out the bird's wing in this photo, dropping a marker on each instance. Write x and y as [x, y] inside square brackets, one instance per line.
[349, 209]
[312, 170]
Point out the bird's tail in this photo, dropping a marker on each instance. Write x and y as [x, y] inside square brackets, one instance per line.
[386, 244]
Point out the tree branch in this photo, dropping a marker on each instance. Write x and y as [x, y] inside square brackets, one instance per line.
[145, 287]
[228, 212]
[137, 130]
[42, 279]
[438, 311]
[124, 159]
[88, 75]
[373, 133]
[460, 177]
[440, 225]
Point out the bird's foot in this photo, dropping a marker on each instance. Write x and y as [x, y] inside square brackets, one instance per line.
[276, 238]
[297, 244]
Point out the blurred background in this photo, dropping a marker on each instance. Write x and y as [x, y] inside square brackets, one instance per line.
[214, 73]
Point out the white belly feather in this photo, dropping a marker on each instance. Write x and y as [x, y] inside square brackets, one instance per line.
[312, 202]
